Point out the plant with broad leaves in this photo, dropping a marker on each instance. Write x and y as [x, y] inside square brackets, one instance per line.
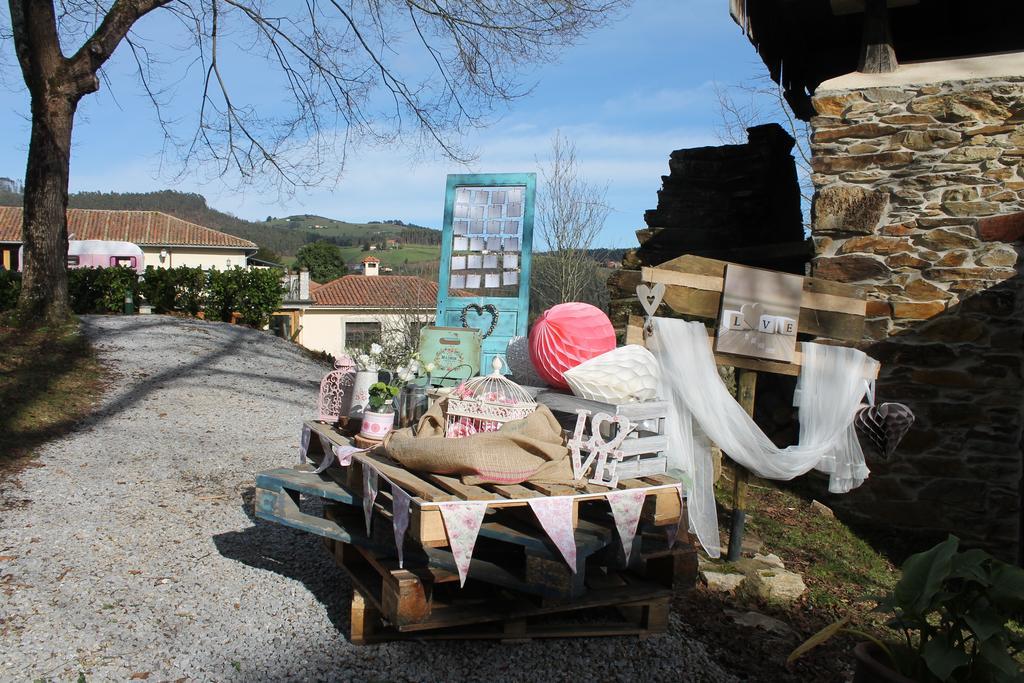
[954, 610]
[382, 397]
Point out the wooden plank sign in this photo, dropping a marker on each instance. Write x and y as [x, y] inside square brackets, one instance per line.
[486, 251]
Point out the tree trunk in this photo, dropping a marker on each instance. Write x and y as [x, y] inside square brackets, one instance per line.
[44, 289]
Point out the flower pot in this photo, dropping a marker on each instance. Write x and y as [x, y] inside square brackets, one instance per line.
[873, 666]
[376, 425]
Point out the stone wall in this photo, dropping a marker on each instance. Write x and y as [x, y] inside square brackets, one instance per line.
[920, 199]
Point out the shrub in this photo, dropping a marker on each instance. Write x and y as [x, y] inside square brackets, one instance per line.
[10, 288]
[159, 286]
[101, 290]
[191, 289]
[262, 294]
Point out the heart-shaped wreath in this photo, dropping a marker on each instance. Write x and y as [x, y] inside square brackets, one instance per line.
[480, 310]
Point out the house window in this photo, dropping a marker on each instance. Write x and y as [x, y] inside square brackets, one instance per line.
[414, 330]
[73, 261]
[361, 335]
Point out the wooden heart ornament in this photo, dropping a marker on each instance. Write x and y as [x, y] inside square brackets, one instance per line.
[650, 297]
[881, 428]
[480, 310]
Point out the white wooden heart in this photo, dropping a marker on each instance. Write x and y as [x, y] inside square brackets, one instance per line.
[650, 297]
[752, 315]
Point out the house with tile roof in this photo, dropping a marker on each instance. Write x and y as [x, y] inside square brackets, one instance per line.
[356, 310]
[166, 241]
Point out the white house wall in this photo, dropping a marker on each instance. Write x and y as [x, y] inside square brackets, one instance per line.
[324, 329]
[221, 259]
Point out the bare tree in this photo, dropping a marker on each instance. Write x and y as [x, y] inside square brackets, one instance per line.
[571, 213]
[760, 100]
[335, 59]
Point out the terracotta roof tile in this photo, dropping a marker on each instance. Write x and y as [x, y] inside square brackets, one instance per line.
[145, 228]
[398, 291]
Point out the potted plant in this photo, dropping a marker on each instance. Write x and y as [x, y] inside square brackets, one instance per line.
[367, 373]
[379, 417]
[953, 610]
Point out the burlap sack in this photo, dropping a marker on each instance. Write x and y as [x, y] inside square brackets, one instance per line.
[531, 449]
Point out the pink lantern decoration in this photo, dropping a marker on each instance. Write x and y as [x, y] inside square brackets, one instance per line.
[335, 395]
[565, 336]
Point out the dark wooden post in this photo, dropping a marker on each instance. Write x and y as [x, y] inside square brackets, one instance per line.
[746, 385]
[877, 55]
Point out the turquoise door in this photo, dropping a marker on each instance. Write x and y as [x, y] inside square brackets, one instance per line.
[486, 249]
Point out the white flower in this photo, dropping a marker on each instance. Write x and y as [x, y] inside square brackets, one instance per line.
[364, 361]
[414, 366]
[430, 367]
[376, 349]
[405, 374]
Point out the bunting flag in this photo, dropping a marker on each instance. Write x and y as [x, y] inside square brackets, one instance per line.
[400, 518]
[369, 494]
[555, 516]
[304, 444]
[626, 506]
[344, 453]
[462, 521]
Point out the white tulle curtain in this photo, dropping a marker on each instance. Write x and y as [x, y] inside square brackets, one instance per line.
[830, 389]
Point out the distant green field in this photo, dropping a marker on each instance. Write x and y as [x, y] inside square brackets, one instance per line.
[395, 258]
[329, 227]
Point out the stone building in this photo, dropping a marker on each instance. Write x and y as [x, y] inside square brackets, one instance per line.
[918, 144]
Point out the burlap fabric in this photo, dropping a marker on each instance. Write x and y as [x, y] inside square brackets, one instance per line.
[531, 449]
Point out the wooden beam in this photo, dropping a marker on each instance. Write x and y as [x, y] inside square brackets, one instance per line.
[877, 55]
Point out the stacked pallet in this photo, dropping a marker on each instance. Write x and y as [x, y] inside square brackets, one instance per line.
[519, 585]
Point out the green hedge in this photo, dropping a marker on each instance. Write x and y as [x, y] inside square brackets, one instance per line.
[10, 288]
[254, 293]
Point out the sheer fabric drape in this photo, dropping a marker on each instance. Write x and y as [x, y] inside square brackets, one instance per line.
[830, 388]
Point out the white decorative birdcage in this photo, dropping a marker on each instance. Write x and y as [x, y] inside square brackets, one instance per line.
[335, 390]
[484, 404]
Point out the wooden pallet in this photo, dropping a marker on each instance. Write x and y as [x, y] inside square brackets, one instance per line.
[391, 603]
[662, 506]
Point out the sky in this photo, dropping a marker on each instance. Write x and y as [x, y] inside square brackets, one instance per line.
[626, 95]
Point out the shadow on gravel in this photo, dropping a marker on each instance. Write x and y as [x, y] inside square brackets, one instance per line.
[292, 554]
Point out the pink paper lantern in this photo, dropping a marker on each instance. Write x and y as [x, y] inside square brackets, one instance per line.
[565, 336]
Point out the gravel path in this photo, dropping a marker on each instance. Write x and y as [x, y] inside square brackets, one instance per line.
[132, 553]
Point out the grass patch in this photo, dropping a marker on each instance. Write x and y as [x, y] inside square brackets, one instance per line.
[49, 380]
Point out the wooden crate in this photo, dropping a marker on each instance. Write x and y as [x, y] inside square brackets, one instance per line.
[643, 452]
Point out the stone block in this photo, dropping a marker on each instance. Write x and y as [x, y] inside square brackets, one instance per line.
[858, 130]
[721, 582]
[917, 311]
[918, 140]
[774, 586]
[1003, 228]
[941, 239]
[952, 259]
[999, 256]
[952, 330]
[953, 274]
[863, 176]
[965, 106]
[906, 261]
[860, 162]
[908, 119]
[876, 244]
[922, 290]
[975, 208]
[834, 104]
[897, 95]
[850, 268]
[971, 155]
[848, 208]
[994, 302]
[940, 377]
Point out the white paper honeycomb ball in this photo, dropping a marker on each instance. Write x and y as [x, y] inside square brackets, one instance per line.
[623, 375]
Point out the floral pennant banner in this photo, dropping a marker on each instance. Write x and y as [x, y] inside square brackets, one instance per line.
[304, 444]
[555, 515]
[462, 522]
[400, 518]
[344, 453]
[369, 494]
[626, 506]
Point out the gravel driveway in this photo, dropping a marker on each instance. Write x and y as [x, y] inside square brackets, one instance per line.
[132, 552]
